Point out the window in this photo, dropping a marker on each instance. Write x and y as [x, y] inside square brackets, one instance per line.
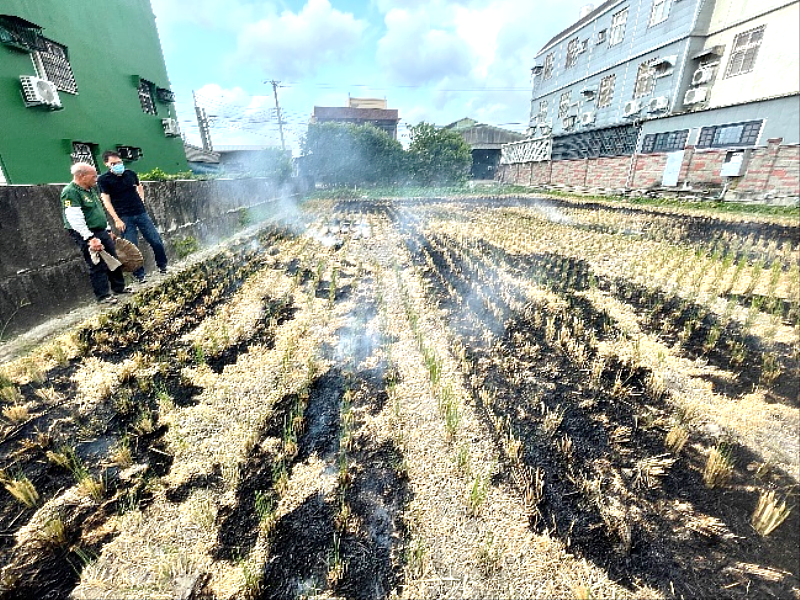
[146, 97]
[542, 111]
[744, 51]
[606, 92]
[572, 53]
[660, 12]
[21, 34]
[665, 142]
[644, 79]
[609, 141]
[52, 64]
[548, 65]
[618, 27]
[584, 45]
[563, 104]
[82, 152]
[736, 134]
[601, 36]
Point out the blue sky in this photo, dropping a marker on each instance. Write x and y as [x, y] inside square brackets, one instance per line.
[433, 60]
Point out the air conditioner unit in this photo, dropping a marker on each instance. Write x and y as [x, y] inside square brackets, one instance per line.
[544, 129]
[587, 117]
[39, 92]
[702, 75]
[631, 108]
[696, 95]
[568, 122]
[171, 128]
[658, 104]
[164, 95]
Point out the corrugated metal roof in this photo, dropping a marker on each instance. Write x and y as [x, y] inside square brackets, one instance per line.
[480, 136]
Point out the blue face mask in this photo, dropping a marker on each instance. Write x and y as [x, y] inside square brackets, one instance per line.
[118, 169]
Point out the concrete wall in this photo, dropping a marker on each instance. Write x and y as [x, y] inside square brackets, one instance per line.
[42, 274]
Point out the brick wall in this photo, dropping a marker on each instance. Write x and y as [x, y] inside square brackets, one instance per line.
[569, 172]
[771, 171]
[608, 172]
[648, 170]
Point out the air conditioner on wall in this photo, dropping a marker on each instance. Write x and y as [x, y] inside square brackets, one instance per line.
[695, 96]
[544, 128]
[657, 104]
[129, 152]
[631, 108]
[587, 118]
[39, 92]
[171, 128]
[702, 75]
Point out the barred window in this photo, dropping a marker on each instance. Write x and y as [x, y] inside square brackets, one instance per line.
[146, 97]
[644, 79]
[82, 152]
[744, 51]
[735, 134]
[548, 65]
[52, 64]
[563, 104]
[606, 93]
[660, 12]
[665, 142]
[618, 27]
[572, 53]
[542, 111]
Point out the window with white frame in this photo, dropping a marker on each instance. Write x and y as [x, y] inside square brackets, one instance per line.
[601, 36]
[52, 63]
[744, 51]
[542, 111]
[618, 22]
[548, 65]
[563, 104]
[572, 53]
[660, 12]
[606, 92]
[644, 79]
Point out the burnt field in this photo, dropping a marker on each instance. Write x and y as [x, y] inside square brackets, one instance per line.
[460, 397]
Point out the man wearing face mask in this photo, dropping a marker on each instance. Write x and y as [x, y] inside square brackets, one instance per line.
[85, 221]
[123, 197]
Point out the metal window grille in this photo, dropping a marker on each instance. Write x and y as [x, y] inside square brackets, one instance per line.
[618, 27]
[548, 65]
[660, 12]
[542, 111]
[20, 34]
[82, 152]
[563, 104]
[613, 141]
[735, 134]
[665, 142]
[744, 52]
[606, 92]
[146, 97]
[644, 79]
[52, 64]
[572, 53]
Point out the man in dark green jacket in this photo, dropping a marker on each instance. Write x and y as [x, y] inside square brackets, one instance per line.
[86, 222]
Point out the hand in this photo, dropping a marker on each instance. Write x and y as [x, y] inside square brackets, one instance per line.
[120, 225]
[95, 244]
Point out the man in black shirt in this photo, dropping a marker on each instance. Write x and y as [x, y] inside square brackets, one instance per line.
[123, 197]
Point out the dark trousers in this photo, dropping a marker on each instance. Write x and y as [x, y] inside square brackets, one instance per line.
[99, 274]
[144, 223]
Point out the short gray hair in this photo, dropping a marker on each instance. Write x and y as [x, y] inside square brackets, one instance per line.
[81, 167]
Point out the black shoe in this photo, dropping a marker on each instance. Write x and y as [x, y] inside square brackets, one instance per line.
[142, 279]
[163, 270]
[107, 300]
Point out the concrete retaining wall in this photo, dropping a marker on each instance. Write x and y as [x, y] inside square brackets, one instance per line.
[42, 273]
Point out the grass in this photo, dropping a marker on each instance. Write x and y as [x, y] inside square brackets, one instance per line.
[719, 467]
[21, 488]
[770, 512]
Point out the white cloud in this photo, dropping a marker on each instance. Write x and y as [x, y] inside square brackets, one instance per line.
[414, 53]
[299, 44]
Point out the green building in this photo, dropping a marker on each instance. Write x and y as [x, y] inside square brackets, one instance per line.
[79, 77]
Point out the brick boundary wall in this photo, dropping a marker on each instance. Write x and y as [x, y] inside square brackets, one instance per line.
[42, 273]
[772, 174]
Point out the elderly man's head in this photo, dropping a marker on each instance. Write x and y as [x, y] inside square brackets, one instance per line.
[84, 174]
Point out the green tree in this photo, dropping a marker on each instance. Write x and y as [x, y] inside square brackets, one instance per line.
[346, 154]
[438, 156]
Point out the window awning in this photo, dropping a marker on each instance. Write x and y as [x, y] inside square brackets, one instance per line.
[713, 50]
[666, 62]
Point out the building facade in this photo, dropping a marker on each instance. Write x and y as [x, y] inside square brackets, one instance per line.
[691, 88]
[78, 78]
[485, 143]
[360, 111]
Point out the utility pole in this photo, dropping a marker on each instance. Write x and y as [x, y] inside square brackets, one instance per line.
[278, 111]
[202, 123]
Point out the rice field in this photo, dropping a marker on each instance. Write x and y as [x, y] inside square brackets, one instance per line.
[464, 397]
